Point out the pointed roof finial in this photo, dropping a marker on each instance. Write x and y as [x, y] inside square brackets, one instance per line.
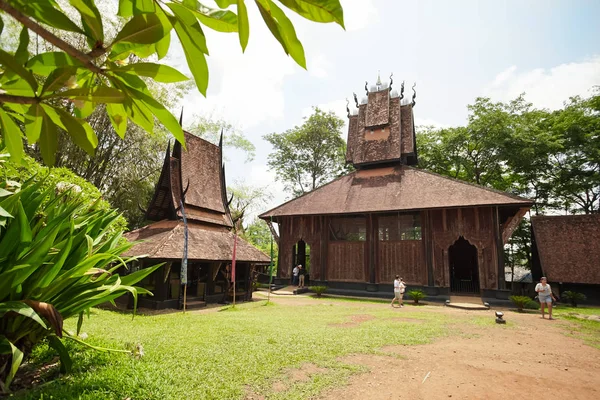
[367, 87]
[181, 118]
[391, 80]
[348, 108]
[414, 95]
[378, 78]
[221, 140]
[355, 99]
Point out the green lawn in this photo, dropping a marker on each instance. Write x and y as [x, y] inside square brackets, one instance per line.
[582, 324]
[223, 355]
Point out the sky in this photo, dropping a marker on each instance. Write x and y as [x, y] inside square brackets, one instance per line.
[454, 50]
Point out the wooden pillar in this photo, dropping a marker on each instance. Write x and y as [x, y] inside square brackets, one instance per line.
[427, 239]
[324, 247]
[161, 287]
[370, 243]
[501, 282]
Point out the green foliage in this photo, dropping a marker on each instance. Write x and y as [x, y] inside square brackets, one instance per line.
[58, 258]
[309, 155]
[520, 302]
[573, 297]
[416, 295]
[532, 305]
[38, 91]
[318, 290]
[49, 178]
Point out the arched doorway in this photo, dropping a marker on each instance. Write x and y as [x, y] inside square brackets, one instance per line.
[464, 270]
[301, 255]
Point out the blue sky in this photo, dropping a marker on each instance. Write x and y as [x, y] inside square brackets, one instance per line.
[454, 50]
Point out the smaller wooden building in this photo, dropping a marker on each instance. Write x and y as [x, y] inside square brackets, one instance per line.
[192, 181]
[566, 250]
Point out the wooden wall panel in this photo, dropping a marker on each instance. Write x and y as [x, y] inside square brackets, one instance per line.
[404, 258]
[291, 231]
[346, 262]
[477, 226]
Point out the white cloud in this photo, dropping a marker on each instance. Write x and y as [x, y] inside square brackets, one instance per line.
[319, 66]
[358, 14]
[546, 88]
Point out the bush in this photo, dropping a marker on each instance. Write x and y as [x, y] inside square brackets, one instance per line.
[319, 290]
[58, 259]
[416, 295]
[573, 297]
[532, 305]
[520, 302]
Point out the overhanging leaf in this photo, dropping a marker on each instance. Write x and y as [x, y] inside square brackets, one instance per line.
[144, 29]
[44, 12]
[12, 136]
[22, 55]
[65, 360]
[58, 78]
[97, 94]
[10, 63]
[219, 20]
[48, 140]
[91, 20]
[185, 19]
[162, 47]
[21, 308]
[45, 63]
[82, 136]
[317, 10]
[17, 359]
[243, 24]
[33, 123]
[118, 118]
[158, 72]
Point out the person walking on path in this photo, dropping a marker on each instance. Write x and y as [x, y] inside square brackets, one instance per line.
[397, 294]
[301, 273]
[402, 290]
[545, 295]
[295, 275]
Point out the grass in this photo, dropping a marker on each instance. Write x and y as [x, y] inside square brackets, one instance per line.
[224, 355]
[586, 329]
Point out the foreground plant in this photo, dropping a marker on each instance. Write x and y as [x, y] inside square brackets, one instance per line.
[416, 295]
[57, 259]
[573, 297]
[520, 302]
[318, 290]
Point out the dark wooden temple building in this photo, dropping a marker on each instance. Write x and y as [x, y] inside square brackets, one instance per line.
[195, 179]
[566, 249]
[389, 217]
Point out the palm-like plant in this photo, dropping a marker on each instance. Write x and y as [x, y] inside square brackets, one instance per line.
[58, 258]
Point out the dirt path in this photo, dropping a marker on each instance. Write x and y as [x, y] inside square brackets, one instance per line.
[532, 356]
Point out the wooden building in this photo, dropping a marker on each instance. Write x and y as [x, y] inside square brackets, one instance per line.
[195, 179]
[389, 217]
[566, 250]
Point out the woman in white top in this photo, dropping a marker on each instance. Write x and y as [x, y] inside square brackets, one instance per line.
[397, 295]
[545, 295]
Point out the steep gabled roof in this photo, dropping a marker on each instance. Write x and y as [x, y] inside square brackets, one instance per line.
[164, 240]
[393, 189]
[569, 247]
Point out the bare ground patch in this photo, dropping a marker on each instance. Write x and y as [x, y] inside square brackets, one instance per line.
[355, 320]
[491, 363]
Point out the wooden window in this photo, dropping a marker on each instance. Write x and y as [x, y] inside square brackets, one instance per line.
[352, 229]
[400, 227]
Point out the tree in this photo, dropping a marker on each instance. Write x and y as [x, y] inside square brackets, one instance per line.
[37, 90]
[309, 155]
[245, 201]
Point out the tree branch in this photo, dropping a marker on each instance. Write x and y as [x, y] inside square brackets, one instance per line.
[9, 98]
[50, 37]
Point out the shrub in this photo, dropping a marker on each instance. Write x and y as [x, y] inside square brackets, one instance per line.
[520, 302]
[319, 290]
[416, 295]
[58, 258]
[532, 305]
[573, 297]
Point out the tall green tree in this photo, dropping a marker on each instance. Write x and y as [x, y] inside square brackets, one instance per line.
[308, 156]
[36, 89]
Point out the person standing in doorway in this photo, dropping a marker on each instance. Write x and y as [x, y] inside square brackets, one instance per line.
[301, 273]
[545, 295]
[397, 295]
[295, 272]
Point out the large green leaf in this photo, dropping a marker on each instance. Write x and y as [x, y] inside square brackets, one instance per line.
[225, 3]
[185, 19]
[283, 30]
[16, 360]
[118, 118]
[33, 123]
[82, 136]
[10, 63]
[194, 55]
[219, 20]
[65, 360]
[144, 29]
[22, 55]
[48, 140]
[91, 20]
[162, 46]
[317, 10]
[58, 79]
[12, 136]
[44, 12]
[23, 309]
[45, 63]
[243, 24]
[158, 72]
[96, 94]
